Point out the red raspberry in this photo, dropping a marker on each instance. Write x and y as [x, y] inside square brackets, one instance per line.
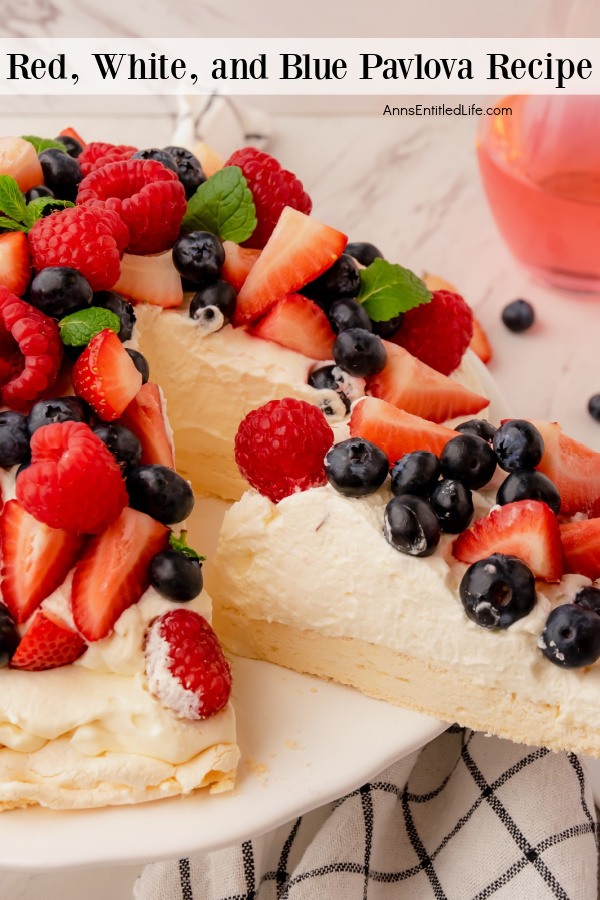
[149, 198]
[89, 240]
[30, 352]
[185, 664]
[98, 154]
[280, 447]
[272, 188]
[73, 481]
[439, 332]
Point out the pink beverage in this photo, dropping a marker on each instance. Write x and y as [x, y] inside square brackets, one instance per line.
[541, 171]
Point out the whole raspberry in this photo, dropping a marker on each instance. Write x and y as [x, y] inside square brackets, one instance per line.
[280, 447]
[186, 667]
[30, 352]
[98, 154]
[87, 239]
[272, 188]
[73, 481]
[439, 332]
[149, 198]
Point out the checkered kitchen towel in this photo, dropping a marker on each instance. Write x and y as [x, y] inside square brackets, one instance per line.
[467, 817]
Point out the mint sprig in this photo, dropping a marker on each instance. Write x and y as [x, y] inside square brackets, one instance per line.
[387, 289]
[18, 215]
[180, 544]
[78, 328]
[41, 144]
[222, 205]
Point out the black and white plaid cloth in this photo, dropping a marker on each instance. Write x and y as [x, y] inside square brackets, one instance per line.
[466, 818]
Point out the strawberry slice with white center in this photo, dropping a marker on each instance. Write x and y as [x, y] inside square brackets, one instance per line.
[47, 644]
[410, 384]
[573, 467]
[145, 416]
[581, 545]
[298, 251]
[396, 432]
[112, 573]
[480, 344]
[105, 376]
[35, 559]
[299, 324]
[151, 279]
[238, 262]
[15, 262]
[527, 529]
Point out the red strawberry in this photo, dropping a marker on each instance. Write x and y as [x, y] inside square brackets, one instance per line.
[573, 467]
[299, 250]
[18, 158]
[581, 546]
[395, 431]
[47, 644]
[438, 332]
[238, 262]
[15, 262]
[153, 279]
[594, 512]
[112, 573]
[409, 384]
[145, 416]
[527, 529]
[35, 559]
[480, 344]
[70, 132]
[299, 324]
[105, 376]
[186, 667]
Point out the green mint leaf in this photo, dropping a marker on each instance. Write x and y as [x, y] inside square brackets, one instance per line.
[12, 202]
[35, 208]
[387, 289]
[78, 328]
[43, 143]
[222, 205]
[11, 224]
[180, 544]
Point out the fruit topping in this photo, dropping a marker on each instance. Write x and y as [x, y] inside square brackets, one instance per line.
[213, 306]
[594, 407]
[479, 427]
[157, 155]
[518, 316]
[573, 467]
[388, 328]
[47, 644]
[395, 431]
[347, 313]
[529, 486]
[208, 158]
[518, 445]
[299, 324]
[9, 635]
[58, 409]
[497, 591]
[176, 573]
[115, 303]
[571, 638]
[411, 526]
[62, 173]
[346, 388]
[438, 332]
[19, 159]
[34, 193]
[480, 344]
[199, 257]
[14, 439]
[121, 443]
[342, 279]
[581, 546]
[15, 262]
[588, 597]
[36, 559]
[452, 502]
[60, 290]
[527, 529]
[150, 279]
[97, 154]
[359, 352]
[416, 473]
[72, 142]
[189, 171]
[186, 667]
[145, 416]
[280, 447]
[469, 459]
[238, 262]
[160, 492]
[356, 467]
[363, 252]
[105, 376]
[141, 364]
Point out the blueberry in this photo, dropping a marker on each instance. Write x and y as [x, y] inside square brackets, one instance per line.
[62, 173]
[452, 503]
[594, 407]
[416, 473]
[497, 591]
[529, 486]
[363, 252]
[571, 637]
[411, 526]
[189, 170]
[157, 155]
[9, 635]
[346, 313]
[160, 492]
[330, 378]
[359, 352]
[199, 256]
[141, 364]
[469, 459]
[219, 297]
[588, 597]
[40, 190]
[356, 467]
[124, 445]
[518, 315]
[59, 290]
[176, 576]
[14, 439]
[518, 446]
[342, 279]
[72, 146]
[124, 310]
[388, 328]
[479, 427]
[57, 409]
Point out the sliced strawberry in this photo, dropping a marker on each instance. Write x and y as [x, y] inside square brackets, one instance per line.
[15, 262]
[573, 467]
[19, 160]
[299, 250]
[150, 279]
[105, 376]
[35, 559]
[581, 546]
[299, 324]
[480, 344]
[395, 431]
[410, 384]
[238, 262]
[527, 529]
[145, 416]
[112, 573]
[70, 132]
[208, 158]
[594, 512]
[47, 644]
